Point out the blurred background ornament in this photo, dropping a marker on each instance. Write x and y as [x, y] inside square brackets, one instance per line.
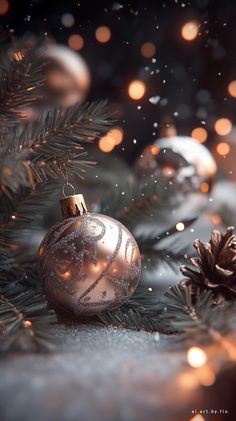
[67, 75]
[180, 163]
[88, 262]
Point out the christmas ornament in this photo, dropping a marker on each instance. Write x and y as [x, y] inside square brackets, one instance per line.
[179, 163]
[216, 263]
[67, 76]
[88, 262]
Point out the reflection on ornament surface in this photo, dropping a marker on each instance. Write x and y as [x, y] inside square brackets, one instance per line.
[89, 263]
[67, 75]
[180, 162]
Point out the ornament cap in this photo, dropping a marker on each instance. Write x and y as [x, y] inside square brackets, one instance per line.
[72, 206]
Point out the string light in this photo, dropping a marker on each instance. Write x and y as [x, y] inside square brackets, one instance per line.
[154, 150]
[4, 7]
[223, 148]
[148, 49]
[136, 89]
[103, 34]
[196, 357]
[189, 31]
[200, 134]
[180, 226]
[232, 88]
[27, 323]
[204, 187]
[223, 126]
[76, 42]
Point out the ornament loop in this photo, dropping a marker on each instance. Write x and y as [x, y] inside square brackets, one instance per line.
[65, 186]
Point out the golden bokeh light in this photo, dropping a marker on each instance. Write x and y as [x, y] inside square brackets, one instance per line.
[216, 219]
[103, 34]
[232, 88]
[204, 187]
[179, 226]
[223, 126]
[189, 31]
[196, 357]
[197, 417]
[117, 134]
[200, 134]
[207, 376]
[106, 143]
[136, 89]
[76, 42]
[223, 148]
[4, 7]
[148, 49]
[154, 150]
[27, 323]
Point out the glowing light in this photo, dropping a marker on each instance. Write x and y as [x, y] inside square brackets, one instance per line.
[189, 31]
[28, 323]
[103, 34]
[106, 143]
[148, 49]
[232, 88]
[76, 42]
[66, 275]
[207, 376]
[204, 187]
[179, 226]
[216, 219]
[4, 7]
[223, 126]
[154, 150]
[117, 134]
[136, 89]
[196, 357]
[197, 417]
[200, 134]
[13, 217]
[223, 148]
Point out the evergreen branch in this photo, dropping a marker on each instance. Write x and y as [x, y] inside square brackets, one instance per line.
[24, 319]
[141, 312]
[195, 312]
[21, 81]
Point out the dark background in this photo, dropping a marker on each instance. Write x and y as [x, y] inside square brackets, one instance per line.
[207, 63]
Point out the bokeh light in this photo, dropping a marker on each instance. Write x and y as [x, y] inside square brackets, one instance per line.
[189, 31]
[148, 49]
[196, 357]
[103, 34]
[67, 20]
[4, 7]
[200, 134]
[136, 89]
[232, 88]
[223, 148]
[76, 42]
[106, 143]
[180, 226]
[117, 135]
[223, 126]
[204, 187]
[197, 417]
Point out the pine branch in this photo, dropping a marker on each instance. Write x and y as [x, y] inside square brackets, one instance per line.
[24, 319]
[141, 312]
[21, 81]
[44, 149]
[195, 312]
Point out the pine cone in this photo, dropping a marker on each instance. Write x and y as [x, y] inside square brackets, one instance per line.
[216, 263]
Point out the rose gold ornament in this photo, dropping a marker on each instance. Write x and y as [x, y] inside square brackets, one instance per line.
[180, 162]
[67, 76]
[88, 262]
